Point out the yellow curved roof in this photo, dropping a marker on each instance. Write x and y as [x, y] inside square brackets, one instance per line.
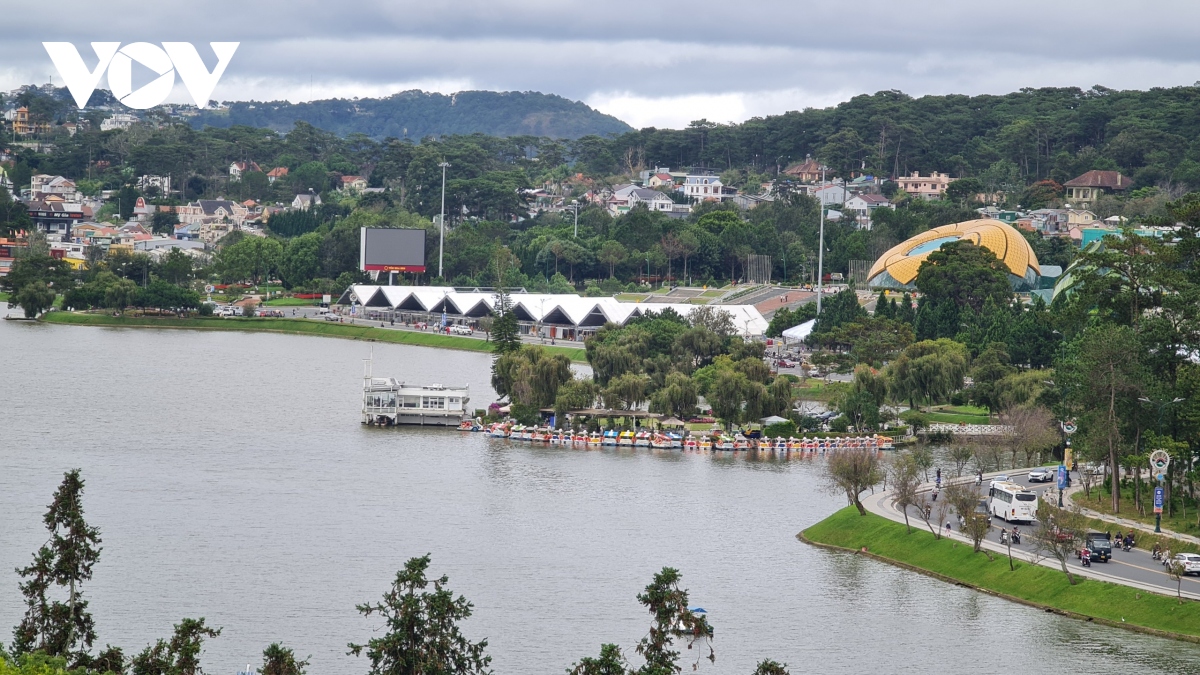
[998, 237]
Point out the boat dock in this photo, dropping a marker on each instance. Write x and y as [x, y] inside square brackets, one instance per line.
[388, 402]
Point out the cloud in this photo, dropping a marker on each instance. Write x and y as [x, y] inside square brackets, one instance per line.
[648, 63]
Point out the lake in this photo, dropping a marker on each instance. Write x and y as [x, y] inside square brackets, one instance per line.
[231, 479]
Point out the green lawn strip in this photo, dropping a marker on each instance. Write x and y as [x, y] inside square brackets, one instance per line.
[289, 302]
[954, 418]
[820, 391]
[298, 327]
[632, 297]
[962, 409]
[3, 296]
[1109, 603]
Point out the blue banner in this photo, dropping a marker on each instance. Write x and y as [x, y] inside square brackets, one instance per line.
[1158, 500]
[1062, 477]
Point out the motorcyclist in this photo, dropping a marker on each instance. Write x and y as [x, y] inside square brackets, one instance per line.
[1016, 535]
[1003, 536]
[979, 477]
[1156, 552]
[1086, 557]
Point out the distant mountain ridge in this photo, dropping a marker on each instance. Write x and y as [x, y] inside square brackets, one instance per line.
[415, 114]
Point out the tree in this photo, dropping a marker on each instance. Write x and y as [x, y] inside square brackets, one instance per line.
[929, 370]
[626, 391]
[769, 667]
[1059, 534]
[57, 628]
[677, 397]
[1106, 379]
[963, 498]
[728, 396]
[280, 660]
[957, 276]
[120, 294]
[164, 222]
[422, 635]
[905, 478]
[964, 190]
[673, 621]
[851, 472]
[1177, 571]
[176, 267]
[180, 656]
[301, 260]
[34, 298]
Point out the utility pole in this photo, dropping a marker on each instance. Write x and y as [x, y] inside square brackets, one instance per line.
[821, 244]
[442, 239]
[575, 208]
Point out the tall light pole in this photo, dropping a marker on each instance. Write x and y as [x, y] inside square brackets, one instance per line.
[575, 207]
[821, 244]
[442, 239]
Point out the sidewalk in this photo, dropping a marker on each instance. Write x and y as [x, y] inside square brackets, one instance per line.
[1125, 522]
[880, 504]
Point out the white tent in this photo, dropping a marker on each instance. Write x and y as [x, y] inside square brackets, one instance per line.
[798, 333]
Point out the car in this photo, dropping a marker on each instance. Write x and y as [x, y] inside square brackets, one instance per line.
[461, 330]
[997, 479]
[1100, 544]
[332, 317]
[1043, 475]
[1190, 562]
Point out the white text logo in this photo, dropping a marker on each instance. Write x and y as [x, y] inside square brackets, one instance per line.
[172, 57]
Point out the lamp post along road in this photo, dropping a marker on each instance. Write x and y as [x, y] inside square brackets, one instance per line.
[821, 245]
[442, 225]
[575, 207]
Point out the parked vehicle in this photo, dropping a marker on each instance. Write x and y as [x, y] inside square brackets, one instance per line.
[461, 330]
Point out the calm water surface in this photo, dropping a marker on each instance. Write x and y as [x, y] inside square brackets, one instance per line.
[232, 480]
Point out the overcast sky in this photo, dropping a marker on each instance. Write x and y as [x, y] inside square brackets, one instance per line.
[649, 63]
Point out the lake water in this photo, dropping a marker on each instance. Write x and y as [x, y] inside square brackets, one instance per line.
[232, 480]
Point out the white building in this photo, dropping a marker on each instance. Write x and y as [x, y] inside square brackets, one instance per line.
[118, 121]
[830, 194]
[703, 187]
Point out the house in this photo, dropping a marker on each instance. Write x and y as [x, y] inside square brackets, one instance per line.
[43, 186]
[303, 202]
[353, 184]
[626, 197]
[808, 171]
[276, 173]
[863, 205]
[831, 194]
[1080, 217]
[142, 210]
[238, 168]
[746, 202]
[932, 186]
[1086, 189]
[118, 121]
[24, 124]
[58, 217]
[660, 179]
[152, 182]
[704, 187]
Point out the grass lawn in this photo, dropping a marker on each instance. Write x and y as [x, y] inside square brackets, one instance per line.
[962, 409]
[299, 327]
[1180, 521]
[816, 390]
[712, 294]
[289, 302]
[632, 297]
[1109, 603]
[954, 418]
[3, 296]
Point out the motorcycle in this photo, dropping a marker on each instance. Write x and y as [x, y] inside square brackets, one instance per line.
[1087, 560]
[1156, 555]
[1016, 538]
[1003, 537]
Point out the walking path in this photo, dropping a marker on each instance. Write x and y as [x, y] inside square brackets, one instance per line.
[880, 504]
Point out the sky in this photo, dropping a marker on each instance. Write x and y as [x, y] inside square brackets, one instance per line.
[660, 64]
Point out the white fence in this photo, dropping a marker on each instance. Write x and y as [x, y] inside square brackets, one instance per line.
[970, 429]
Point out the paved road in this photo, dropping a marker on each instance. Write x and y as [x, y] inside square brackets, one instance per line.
[1135, 567]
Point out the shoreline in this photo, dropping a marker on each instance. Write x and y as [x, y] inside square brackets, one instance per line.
[958, 565]
[294, 327]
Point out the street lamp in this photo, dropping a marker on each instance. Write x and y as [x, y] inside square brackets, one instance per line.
[821, 244]
[1162, 406]
[575, 207]
[442, 239]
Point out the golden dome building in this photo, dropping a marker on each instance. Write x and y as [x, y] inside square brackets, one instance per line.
[898, 267]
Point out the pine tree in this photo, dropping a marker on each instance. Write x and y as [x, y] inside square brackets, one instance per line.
[882, 309]
[51, 626]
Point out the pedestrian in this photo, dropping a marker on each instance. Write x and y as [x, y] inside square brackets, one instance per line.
[948, 528]
[962, 522]
[935, 494]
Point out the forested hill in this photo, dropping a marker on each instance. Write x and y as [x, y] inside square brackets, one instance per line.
[1022, 136]
[416, 114]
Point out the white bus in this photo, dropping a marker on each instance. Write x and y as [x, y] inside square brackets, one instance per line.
[1012, 502]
